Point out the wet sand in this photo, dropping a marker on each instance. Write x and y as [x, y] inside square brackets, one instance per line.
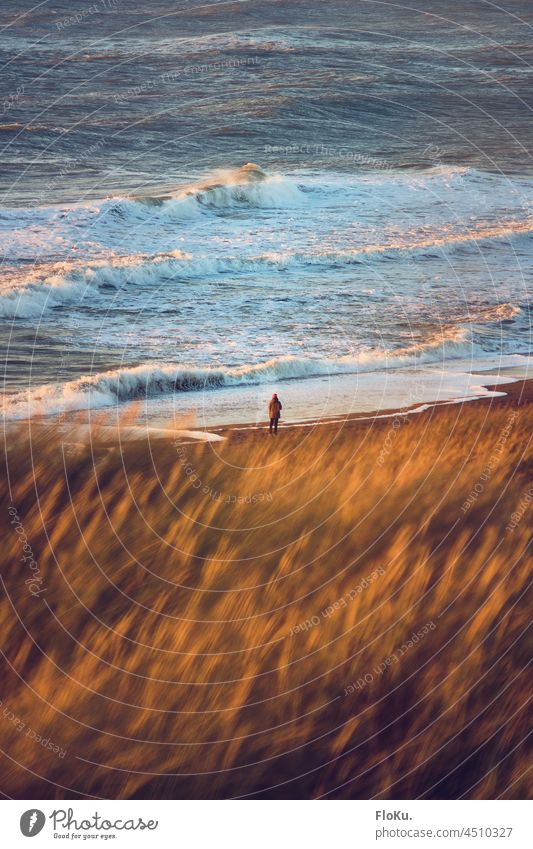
[517, 393]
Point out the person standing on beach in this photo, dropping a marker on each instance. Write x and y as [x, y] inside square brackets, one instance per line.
[274, 412]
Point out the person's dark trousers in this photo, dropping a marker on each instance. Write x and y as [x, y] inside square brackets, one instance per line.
[274, 424]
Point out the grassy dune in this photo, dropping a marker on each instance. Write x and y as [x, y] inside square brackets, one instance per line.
[247, 627]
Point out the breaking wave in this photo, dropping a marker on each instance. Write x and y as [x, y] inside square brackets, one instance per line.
[500, 312]
[248, 186]
[149, 380]
[29, 294]
[31, 299]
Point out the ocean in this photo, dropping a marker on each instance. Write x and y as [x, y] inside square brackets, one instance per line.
[375, 250]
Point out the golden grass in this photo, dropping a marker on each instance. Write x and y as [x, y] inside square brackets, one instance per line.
[167, 652]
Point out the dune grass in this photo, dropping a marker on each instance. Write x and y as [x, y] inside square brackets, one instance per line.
[338, 612]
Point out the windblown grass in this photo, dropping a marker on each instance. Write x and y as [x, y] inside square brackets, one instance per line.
[200, 637]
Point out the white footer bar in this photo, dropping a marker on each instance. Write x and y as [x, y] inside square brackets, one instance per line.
[268, 824]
